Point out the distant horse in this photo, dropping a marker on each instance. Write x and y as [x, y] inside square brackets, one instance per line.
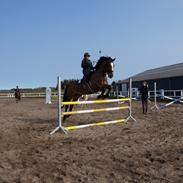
[97, 81]
[17, 95]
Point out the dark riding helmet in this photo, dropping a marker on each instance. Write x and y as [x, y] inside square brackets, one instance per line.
[86, 54]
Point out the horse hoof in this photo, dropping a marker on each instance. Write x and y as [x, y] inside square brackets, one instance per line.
[105, 96]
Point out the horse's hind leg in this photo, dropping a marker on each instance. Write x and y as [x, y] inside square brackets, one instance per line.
[71, 107]
[65, 117]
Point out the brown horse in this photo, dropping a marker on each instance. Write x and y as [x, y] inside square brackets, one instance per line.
[97, 81]
[17, 95]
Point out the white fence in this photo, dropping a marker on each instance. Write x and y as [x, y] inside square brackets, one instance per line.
[136, 93]
[26, 95]
[169, 93]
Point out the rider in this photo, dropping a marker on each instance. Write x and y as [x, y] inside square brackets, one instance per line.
[87, 66]
[17, 90]
[144, 96]
[17, 94]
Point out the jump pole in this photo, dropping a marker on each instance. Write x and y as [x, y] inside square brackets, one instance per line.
[155, 98]
[130, 104]
[162, 95]
[59, 103]
[174, 100]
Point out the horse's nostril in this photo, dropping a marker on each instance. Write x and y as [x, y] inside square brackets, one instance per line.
[110, 75]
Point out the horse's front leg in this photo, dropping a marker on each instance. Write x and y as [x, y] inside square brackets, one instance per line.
[102, 94]
[108, 87]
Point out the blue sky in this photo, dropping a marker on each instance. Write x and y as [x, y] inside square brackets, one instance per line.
[41, 39]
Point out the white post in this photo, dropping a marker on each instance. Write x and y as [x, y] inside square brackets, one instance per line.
[130, 104]
[174, 93]
[155, 98]
[162, 94]
[59, 127]
[181, 93]
[48, 95]
[117, 94]
[137, 94]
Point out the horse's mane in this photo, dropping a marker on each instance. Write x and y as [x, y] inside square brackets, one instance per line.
[73, 81]
[101, 61]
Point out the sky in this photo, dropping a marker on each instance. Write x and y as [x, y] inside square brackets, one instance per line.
[43, 39]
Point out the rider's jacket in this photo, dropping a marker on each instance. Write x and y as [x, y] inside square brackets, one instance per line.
[87, 64]
[144, 92]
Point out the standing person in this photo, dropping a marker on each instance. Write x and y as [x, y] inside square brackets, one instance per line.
[144, 96]
[87, 67]
[17, 94]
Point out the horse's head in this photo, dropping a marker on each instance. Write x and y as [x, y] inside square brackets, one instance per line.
[107, 65]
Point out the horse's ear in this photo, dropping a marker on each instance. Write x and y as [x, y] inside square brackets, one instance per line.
[113, 59]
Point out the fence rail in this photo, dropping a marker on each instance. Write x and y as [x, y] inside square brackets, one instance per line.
[170, 93]
[26, 95]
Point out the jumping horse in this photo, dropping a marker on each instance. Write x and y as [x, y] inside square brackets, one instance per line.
[97, 82]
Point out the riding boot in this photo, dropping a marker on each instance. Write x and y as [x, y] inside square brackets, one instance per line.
[82, 81]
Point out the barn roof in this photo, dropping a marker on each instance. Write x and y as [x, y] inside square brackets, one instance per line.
[175, 70]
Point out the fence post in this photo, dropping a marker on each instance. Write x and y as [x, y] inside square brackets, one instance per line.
[155, 98]
[59, 103]
[130, 104]
[181, 93]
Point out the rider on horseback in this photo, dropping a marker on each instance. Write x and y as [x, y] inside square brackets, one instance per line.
[87, 66]
[17, 94]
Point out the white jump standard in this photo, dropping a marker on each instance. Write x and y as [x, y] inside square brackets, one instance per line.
[162, 96]
[155, 98]
[59, 105]
[173, 100]
[61, 114]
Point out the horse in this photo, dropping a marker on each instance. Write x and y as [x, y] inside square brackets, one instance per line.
[17, 95]
[97, 81]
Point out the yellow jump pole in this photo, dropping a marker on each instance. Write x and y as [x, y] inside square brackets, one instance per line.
[95, 124]
[95, 110]
[96, 101]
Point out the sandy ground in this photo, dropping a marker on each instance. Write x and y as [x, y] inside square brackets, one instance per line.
[147, 151]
